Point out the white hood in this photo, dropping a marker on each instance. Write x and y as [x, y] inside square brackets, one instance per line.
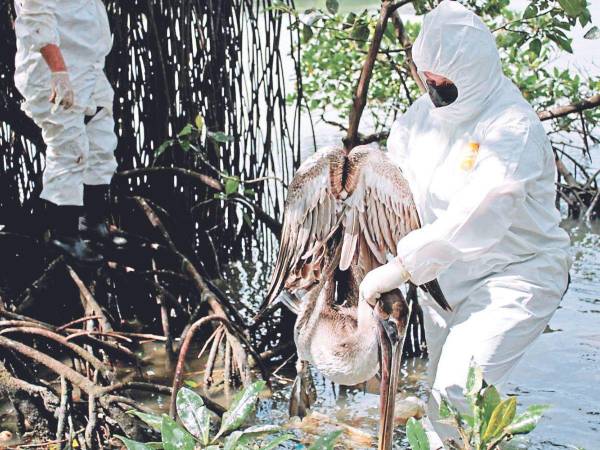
[455, 43]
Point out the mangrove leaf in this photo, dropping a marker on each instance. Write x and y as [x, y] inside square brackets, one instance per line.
[193, 414]
[502, 415]
[152, 420]
[242, 406]
[174, 436]
[416, 435]
[133, 445]
[526, 422]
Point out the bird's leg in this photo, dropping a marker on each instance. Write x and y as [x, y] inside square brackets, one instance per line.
[304, 393]
[393, 313]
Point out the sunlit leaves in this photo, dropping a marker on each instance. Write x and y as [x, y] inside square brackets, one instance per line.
[193, 414]
[152, 420]
[174, 436]
[490, 420]
[535, 46]
[526, 422]
[241, 407]
[530, 11]
[573, 8]
[416, 435]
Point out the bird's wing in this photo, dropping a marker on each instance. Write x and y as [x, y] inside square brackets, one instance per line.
[379, 212]
[380, 208]
[312, 214]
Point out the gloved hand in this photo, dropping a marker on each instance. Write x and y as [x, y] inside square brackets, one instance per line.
[381, 280]
[62, 93]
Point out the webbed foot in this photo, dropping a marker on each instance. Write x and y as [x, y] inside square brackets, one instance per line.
[303, 393]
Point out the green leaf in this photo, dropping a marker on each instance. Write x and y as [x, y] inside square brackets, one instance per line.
[162, 147]
[186, 131]
[527, 421]
[231, 185]
[241, 407]
[349, 20]
[416, 435]
[490, 400]
[573, 8]
[244, 437]
[445, 409]
[530, 11]
[474, 380]
[199, 122]
[260, 430]
[133, 445]
[219, 136]
[563, 42]
[185, 145]
[535, 46]
[275, 443]
[152, 420]
[390, 32]
[592, 33]
[191, 383]
[502, 415]
[193, 414]
[232, 440]
[307, 34]
[585, 17]
[332, 6]
[326, 442]
[174, 436]
[360, 31]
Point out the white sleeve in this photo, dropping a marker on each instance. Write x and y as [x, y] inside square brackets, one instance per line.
[36, 24]
[480, 214]
[397, 142]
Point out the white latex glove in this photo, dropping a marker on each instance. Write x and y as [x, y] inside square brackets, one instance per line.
[62, 93]
[381, 280]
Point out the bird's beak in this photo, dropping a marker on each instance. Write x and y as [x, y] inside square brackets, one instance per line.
[392, 321]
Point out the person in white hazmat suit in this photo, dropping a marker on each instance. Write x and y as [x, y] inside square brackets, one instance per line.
[482, 172]
[61, 48]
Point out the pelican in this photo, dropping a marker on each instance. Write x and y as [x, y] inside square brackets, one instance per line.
[344, 214]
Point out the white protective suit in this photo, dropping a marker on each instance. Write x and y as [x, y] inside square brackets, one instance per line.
[482, 173]
[76, 153]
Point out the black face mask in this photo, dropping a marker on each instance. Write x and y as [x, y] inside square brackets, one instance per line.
[442, 95]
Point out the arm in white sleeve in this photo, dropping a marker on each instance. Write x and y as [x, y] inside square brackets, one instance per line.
[36, 24]
[480, 214]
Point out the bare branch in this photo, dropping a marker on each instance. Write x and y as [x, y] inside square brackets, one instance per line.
[560, 111]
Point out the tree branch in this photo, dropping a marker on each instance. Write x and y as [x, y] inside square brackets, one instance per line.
[560, 111]
[362, 88]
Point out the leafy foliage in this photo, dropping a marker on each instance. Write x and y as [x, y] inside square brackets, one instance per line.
[492, 420]
[334, 46]
[194, 431]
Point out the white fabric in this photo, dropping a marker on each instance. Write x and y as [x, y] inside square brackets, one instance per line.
[382, 279]
[482, 173]
[76, 153]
